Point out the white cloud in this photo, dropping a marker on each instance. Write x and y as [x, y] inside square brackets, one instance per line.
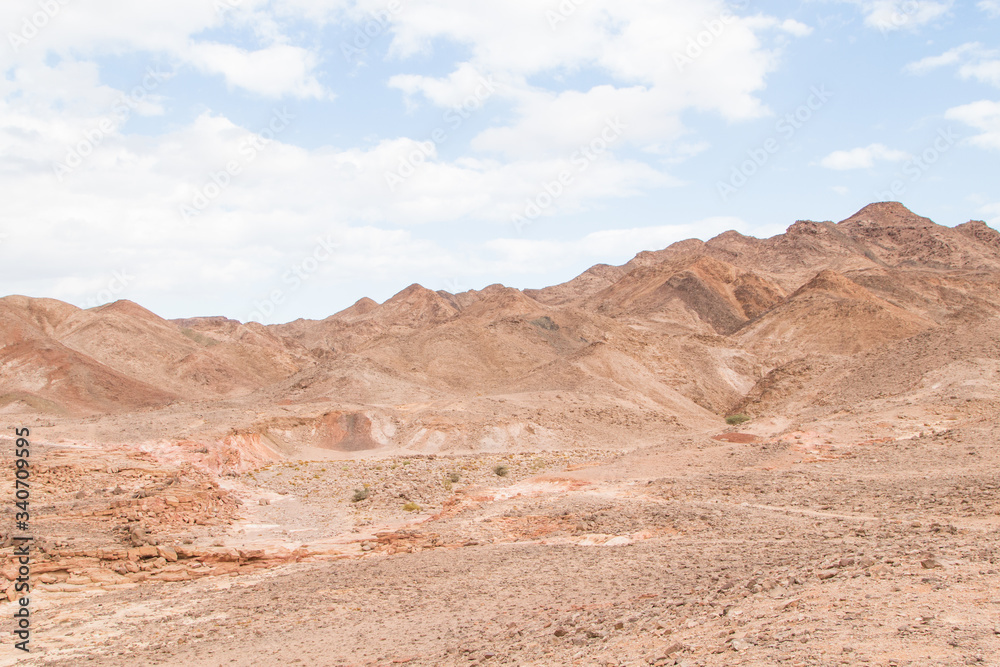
[635, 44]
[790, 26]
[561, 123]
[974, 61]
[276, 71]
[795, 28]
[661, 61]
[653, 63]
[605, 245]
[983, 116]
[664, 58]
[891, 15]
[89, 27]
[991, 213]
[991, 7]
[950, 57]
[321, 11]
[127, 194]
[81, 31]
[985, 71]
[862, 158]
[448, 92]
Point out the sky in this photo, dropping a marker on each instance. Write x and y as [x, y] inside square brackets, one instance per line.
[274, 159]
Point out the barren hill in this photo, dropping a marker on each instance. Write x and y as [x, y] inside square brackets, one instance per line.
[672, 341]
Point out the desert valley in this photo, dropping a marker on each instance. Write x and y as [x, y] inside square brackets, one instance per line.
[743, 451]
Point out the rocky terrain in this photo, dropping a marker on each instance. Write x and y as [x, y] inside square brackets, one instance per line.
[539, 477]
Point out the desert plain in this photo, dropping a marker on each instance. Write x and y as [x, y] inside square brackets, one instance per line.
[743, 451]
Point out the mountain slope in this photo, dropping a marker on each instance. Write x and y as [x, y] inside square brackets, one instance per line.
[667, 343]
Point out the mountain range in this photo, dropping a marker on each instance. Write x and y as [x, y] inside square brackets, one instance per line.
[825, 318]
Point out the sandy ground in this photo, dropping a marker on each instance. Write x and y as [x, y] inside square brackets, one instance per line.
[802, 547]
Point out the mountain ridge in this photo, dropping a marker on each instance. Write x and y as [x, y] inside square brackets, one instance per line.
[671, 340]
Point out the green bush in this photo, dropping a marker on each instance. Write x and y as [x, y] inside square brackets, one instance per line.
[359, 495]
[454, 477]
[411, 507]
[736, 420]
[501, 470]
[199, 338]
[545, 322]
